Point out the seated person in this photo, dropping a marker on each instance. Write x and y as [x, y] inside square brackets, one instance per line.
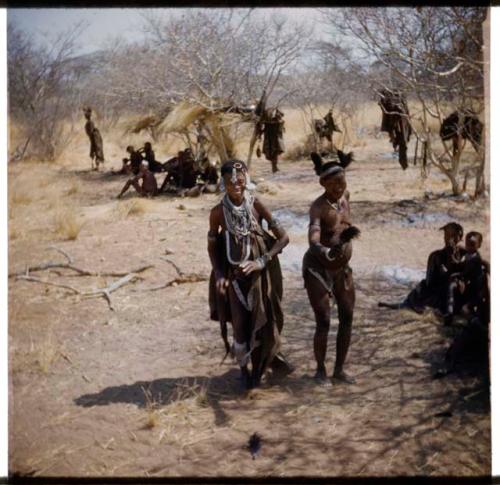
[148, 187]
[182, 171]
[441, 264]
[467, 281]
[149, 155]
[188, 170]
[135, 159]
[172, 167]
[474, 337]
[209, 176]
[125, 170]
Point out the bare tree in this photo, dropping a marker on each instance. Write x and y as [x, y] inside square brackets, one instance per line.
[43, 98]
[434, 56]
[217, 59]
[221, 56]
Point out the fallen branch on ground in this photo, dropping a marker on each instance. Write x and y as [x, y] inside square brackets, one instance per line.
[189, 278]
[34, 279]
[81, 272]
[177, 269]
[181, 279]
[105, 292]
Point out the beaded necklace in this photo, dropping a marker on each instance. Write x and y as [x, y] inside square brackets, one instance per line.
[335, 205]
[239, 224]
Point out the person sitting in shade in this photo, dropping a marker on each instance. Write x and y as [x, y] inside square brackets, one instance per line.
[144, 182]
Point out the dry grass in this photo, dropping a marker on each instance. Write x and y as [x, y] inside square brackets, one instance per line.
[301, 150]
[21, 194]
[14, 232]
[40, 356]
[47, 352]
[67, 224]
[267, 187]
[51, 196]
[140, 124]
[73, 189]
[152, 409]
[181, 117]
[43, 180]
[132, 207]
[186, 405]
[300, 141]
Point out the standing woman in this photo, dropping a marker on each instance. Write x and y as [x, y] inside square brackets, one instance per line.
[96, 145]
[326, 271]
[273, 127]
[246, 284]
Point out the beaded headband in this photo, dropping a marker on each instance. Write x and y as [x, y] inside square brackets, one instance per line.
[331, 171]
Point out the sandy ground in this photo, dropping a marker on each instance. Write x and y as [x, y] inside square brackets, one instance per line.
[139, 391]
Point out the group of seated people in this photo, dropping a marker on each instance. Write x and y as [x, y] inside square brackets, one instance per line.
[456, 283]
[184, 174]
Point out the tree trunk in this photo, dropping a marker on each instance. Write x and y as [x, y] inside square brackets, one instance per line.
[455, 184]
[253, 140]
[480, 184]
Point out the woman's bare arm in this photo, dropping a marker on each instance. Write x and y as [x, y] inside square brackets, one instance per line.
[279, 232]
[213, 232]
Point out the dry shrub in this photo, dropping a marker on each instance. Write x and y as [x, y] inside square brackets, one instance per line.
[67, 224]
[302, 150]
[132, 207]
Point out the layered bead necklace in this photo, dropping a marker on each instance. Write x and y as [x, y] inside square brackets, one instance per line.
[239, 224]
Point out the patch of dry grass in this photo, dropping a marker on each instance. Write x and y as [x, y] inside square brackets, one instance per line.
[133, 207]
[267, 187]
[14, 232]
[73, 189]
[67, 223]
[44, 180]
[40, 356]
[47, 352]
[152, 409]
[299, 151]
[50, 196]
[20, 194]
[186, 405]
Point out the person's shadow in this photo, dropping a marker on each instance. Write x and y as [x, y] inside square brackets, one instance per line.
[164, 391]
[161, 392]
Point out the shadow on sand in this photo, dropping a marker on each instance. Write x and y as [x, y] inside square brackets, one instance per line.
[164, 391]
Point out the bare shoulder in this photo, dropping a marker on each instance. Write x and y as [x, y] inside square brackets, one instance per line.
[316, 210]
[258, 204]
[261, 209]
[216, 210]
[318, 204]
[347, 195]
[216, 216]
